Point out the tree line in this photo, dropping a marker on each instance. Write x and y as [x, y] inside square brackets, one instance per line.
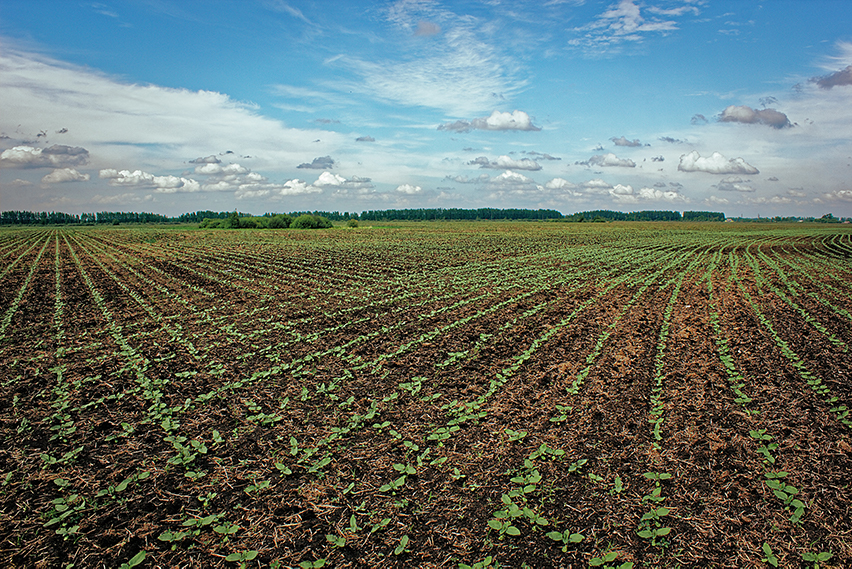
[229, 218]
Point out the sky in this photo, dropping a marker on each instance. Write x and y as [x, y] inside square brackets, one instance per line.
[276, 106]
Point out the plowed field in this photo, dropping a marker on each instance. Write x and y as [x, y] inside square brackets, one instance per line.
[427, 395]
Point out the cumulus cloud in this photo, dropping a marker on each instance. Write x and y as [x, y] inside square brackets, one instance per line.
[206, 160]
[330, 180]
[839, 196]
[622, 141]
[321, 163]
[112, 120]
[773, 200]
[698, 119]
[715, 200]
[56, 156]
[839, 78]
[715, 164]
[62, 175]
[745, 114]
[160, 184]
[365, 139]
[670, 140]
[625, 194]
[516, 120]
[608, 159]
[408, 189]
[655, 194]
[481, 179]
[506, 163]
[734, 184]
[218, 169]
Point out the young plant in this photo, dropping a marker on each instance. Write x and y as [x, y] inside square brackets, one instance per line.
[566, 538]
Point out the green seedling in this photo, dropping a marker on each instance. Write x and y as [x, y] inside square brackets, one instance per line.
[336, 540]
[566, 537]
[402, 546]
[134, 561]
[769, 556]
[312, 564]
[604, 560]
[515, 435]
[484, 564]
[816, 558]
[242, 556]
[380, 525]
[393, 485]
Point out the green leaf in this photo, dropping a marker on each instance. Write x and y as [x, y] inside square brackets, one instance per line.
[403, 543]
[512, 530]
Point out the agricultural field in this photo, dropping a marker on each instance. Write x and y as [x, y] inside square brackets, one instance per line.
[427, 395]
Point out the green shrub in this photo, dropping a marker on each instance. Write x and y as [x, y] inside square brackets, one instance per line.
[352, 223]
[280, 221]
[209, 223]
[308, 221]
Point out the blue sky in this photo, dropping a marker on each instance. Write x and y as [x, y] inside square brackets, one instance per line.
[266, 105]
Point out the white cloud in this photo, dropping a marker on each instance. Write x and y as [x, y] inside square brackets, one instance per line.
[217, 169]
[734, 184]
[61, 175]
[408, 189]
[714, 164]
[206, 160]
[838, 78]
[516, 120]
[56, 156]
[622, 141]
[839, 196]
[456, 72]
[745, 114]
[319, 163]
[161, 184]
[330, 180]
[622, 23]
[506, 163]
[298, 187]
[655, 194]
[120, 123]
[714, 201]
[609, 159]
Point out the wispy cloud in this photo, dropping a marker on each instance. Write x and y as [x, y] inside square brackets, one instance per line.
[623, 23]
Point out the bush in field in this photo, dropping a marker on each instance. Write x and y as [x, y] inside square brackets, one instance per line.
[209, 223]
[280, 221]
[352, 223]
[308, 221]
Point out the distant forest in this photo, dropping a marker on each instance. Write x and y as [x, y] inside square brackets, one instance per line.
[422, 214]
